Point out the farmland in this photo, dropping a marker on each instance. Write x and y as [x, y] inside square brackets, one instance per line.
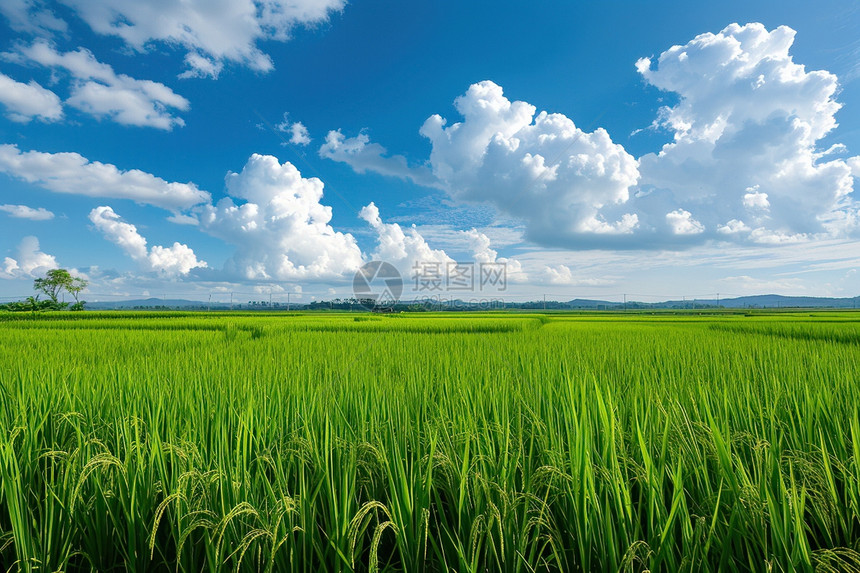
[498, 442]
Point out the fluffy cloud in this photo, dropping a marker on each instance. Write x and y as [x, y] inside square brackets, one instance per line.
[212, 32]
[73, 173]
[280, 229]
[682, 223]
[299, 134]
[99, 91]
[29, 261]
[743, 164]
[363, 155]
[175, 260]
[541, 168]
[24, 102]
[743, 159]
[406, 250]
[25, 212]
[482, 253]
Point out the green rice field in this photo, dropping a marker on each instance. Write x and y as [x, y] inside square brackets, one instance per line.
[429, 442]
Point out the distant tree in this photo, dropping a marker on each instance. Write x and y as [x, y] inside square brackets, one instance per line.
[76, 286]
[58, 280]
[54, 283]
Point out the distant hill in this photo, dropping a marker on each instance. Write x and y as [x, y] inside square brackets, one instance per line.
[757, 301]
[768, 301]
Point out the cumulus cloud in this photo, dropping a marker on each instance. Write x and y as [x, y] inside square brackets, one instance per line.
[178, 259]
[363, 155]
[482, 253]
[537, 167]
[211, 32]
[24, 102]
[755, 199]
[732, 227]
[29, 261]
[410, 252]
[280, 229]
[407, 250]
[73, 173]
[682, 223]
[25, 212]
[541, 168]
[297, 132]
[98, 90]
[745, 131]
[743, 165]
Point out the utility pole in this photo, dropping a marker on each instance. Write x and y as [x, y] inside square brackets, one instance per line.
[209, 304]
[718, 300]
[231, 301]
[270, 299]
[544, 302]
[625, 303]
[288, 301]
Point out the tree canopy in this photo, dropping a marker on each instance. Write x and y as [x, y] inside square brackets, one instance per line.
[58, 280]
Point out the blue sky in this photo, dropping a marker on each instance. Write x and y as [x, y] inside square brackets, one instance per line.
[270, 147]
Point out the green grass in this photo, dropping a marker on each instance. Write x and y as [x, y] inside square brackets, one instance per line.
[497, 442]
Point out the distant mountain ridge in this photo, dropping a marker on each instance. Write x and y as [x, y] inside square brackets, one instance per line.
[753, 301]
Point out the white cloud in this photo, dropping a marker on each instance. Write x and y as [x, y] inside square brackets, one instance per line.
[25, 212]
[766, 236]
[403, 249]
[297, 131]
[538, 168]
[281, 230]
[745, 134]
[563, 275]
[31, 16]
[854, 163]
[178, 259]
[299, 134]
[24, 102]
[30, 261]
[744, 155]
[682, 223]
[541, 168]
[212, 32]
[73, 173]
[362, 155]
[482, 253]
[99, 91]
[732, 227]
[755, 199]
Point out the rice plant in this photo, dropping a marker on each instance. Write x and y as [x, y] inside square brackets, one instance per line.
[433, 442]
